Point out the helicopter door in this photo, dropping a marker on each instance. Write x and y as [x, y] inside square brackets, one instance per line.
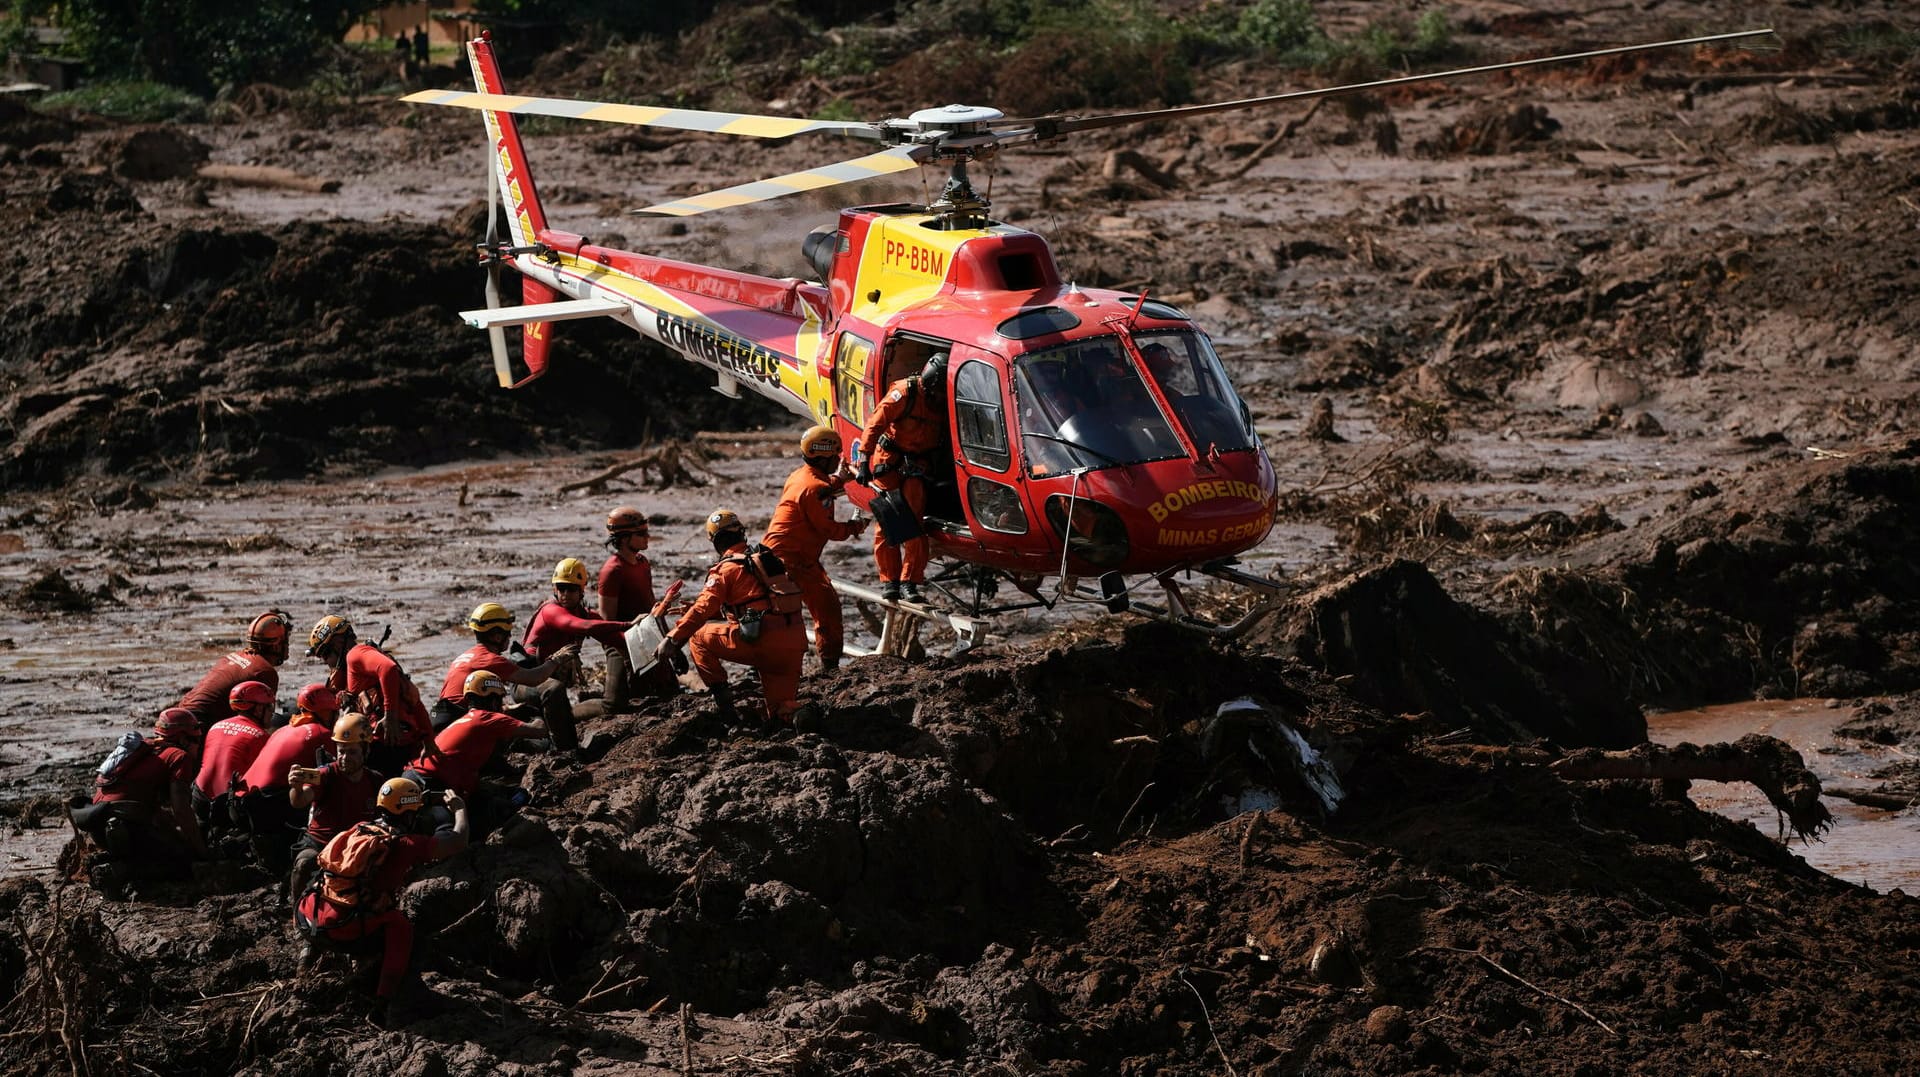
[853, 394]
[980, 431]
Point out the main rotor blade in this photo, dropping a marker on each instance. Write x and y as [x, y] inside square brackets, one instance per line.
[897, 159]
[680, 119]
[1048, 127]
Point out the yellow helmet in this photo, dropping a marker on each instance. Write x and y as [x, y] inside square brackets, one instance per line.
[329, 628]
[484, 682]
[400, 796]
[820, 441]
[724, 520]
[352, 728]
[571, 570]
[488, 616]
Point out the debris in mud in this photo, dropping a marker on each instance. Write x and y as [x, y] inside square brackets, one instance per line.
[1768, 764]
[152, 153]
[52, 591]
[1491, 129]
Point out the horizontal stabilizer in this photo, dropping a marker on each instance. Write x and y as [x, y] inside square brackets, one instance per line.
[572, 309]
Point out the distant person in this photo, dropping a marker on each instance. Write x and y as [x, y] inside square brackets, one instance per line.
[422, 48]
[402, 55]
[259, 660]
[382, 691]
[626, 593]
[748, 612]
[561, 624]
[905, 433]
[231, 747]
[142, 810]
[362, 871]
[802, 526]
[263, 797]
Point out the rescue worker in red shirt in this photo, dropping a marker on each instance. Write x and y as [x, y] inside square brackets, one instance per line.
[142, 810]
[753, 631]
[229, 750]
[626, 594]
[467, 745]
[266, 649]
[401, 727]
[902, 437]
[802, 526]
[335, 795]
[263, 798]
[561, 624]
[492, 628]
[363, 908]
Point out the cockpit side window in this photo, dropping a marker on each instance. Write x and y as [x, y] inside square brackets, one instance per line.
[1193, 380]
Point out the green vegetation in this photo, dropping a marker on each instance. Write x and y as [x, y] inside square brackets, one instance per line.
[838, 110]
[1878, 42]
[138, 102]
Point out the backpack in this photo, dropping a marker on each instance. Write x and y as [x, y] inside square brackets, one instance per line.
[782, 594]
[131, 748]
[350, 858]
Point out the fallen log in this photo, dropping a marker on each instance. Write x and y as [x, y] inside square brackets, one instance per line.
[267, 176]
[1873, 798]
[669, 463]
[1767, 764]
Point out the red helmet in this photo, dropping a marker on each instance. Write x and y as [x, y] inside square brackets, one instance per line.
[319, 701]
[175, 723]
[268, 633]
[249, 696]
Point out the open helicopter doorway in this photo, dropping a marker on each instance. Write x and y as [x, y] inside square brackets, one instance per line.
[906, 354]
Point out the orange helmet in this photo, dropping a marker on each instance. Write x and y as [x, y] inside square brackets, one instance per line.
[250, 698]
[352, 729]
[820, 441]
[625, 520]
[326, 631]
[269, 632]
[484, 682]
[400, 796]
[175, 723]
[318, 702]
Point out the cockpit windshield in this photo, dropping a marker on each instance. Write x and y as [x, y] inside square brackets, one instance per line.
[1084, 404]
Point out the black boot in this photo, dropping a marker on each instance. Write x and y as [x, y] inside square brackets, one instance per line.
[891, 591]
[723, 704]
[913, 593]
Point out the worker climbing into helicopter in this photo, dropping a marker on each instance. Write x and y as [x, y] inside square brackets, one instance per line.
[803, 524]
[903, 436]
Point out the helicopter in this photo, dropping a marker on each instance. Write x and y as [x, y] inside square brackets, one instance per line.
[1095, 434]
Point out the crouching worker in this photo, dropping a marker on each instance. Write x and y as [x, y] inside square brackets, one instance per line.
[362, 870]
[760, 628]
[142, 810]
[264, 799]
[334, 796]
[230, 748]
[467, 745]
[561, 624]
[535, 683]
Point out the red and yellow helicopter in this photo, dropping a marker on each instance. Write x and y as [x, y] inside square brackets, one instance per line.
[1095, 433]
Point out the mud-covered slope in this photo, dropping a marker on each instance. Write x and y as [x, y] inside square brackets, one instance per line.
[1796, 578]
[203, 351]
[1011, 857]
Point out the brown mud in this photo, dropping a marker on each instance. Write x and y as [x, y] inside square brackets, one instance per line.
[1619, 413]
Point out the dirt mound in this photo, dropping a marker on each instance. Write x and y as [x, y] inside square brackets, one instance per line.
[152, 153]
[222, 353]
[895, 897]
[1795, 581]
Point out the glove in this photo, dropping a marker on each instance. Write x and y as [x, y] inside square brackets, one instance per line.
[863, 474]
[860, 524]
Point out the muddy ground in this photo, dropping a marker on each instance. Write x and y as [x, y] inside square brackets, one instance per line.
[1621, 381]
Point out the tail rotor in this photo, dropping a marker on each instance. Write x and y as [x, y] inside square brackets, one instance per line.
[496, 335]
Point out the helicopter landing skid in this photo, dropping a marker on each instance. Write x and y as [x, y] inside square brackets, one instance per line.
[901, 623]
[1176, 610]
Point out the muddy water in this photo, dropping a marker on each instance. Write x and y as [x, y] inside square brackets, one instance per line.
[1875, 848]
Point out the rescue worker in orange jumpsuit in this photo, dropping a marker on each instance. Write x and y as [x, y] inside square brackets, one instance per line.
[560, 625]
[906, 430]
[802, 526]
[228, 751]
[401, 726]
[626, 594]
[266, 649]
[751, 632]
[142, 812]
[264, 788]
[373, 911]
